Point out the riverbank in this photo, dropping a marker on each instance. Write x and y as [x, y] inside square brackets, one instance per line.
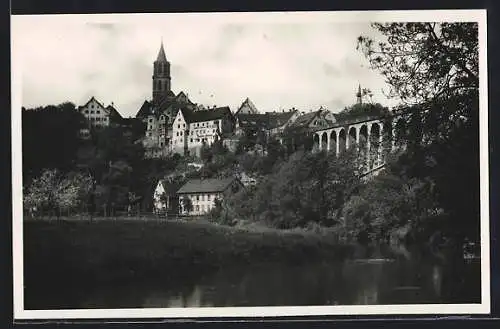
[121, 250]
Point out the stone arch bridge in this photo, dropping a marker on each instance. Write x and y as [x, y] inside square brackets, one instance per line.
[373, 137]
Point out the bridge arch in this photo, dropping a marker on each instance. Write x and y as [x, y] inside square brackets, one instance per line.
[374, 145]
[342, 140]
[333, 141]
[316, 140]
[351, 137]
[324, 141]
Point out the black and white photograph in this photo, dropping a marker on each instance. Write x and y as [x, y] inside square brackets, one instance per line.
[257, 164]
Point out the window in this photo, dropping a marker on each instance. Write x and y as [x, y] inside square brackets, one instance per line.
[92, 106]
[177, 133]
[92, 112]
[87, 111]
[183, 125]
[98, 112]
[197, 198]
[179, 126]
[208, 197]
[191, 140]
[150, 119]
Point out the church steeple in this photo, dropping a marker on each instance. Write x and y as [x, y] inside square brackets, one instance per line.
[359, 96]
[161, 75]
[161, 54]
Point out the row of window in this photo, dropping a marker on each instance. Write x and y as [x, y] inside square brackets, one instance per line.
[203, 208]
[99, 119]
[202, 197]
[92, 111]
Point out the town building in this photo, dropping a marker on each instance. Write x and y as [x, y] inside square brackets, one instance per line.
[314, 120]
[165, 198]
[97, 115]
[193, 129]
[271, 123]
[202, 194]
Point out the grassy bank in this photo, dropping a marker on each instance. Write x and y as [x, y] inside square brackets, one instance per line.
[105, 250]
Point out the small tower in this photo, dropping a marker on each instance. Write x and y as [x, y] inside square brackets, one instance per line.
[161, 76]
[359, 95]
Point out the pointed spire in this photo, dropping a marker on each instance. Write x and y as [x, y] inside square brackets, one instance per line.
[161, 54]
[359, 95]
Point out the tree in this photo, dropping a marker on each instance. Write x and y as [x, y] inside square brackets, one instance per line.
[434, 68]
[362, 111]
[50, 138]
[424, 61]
[54, 192]
[187, 205]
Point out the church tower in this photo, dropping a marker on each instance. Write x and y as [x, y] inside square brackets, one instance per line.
[359, 95]
[161, 76]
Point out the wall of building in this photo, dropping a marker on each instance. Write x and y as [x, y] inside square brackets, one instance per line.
[179, 127]
[202, 202]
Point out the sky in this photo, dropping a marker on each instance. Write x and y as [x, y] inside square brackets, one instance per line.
[279, 61]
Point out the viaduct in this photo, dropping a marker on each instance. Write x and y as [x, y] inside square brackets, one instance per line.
[373, 137]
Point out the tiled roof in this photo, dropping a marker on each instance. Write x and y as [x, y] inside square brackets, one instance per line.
[90, 100]
[145, 110]
[248, 103]
[164, 104]
[305, 119]
[113, 113]
[279, 119]
[268, 120]
[205, 115]
[170, 187]
[206, 185]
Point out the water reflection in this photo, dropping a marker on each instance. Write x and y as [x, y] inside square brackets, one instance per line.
[348, 283]
[401, 278]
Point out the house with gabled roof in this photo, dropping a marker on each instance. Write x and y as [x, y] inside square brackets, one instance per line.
[97, 115]
[311, 120]
[202, 193]
[165, 198]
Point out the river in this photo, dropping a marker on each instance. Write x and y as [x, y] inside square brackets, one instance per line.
[399, 279]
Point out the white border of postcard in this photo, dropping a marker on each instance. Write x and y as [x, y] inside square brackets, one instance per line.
[348, 16]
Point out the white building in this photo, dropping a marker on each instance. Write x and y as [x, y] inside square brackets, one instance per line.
[202, 194]
[192, 129]
[97, 115]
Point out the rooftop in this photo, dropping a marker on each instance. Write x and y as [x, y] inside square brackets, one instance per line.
[206, 115]
[206, 185]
